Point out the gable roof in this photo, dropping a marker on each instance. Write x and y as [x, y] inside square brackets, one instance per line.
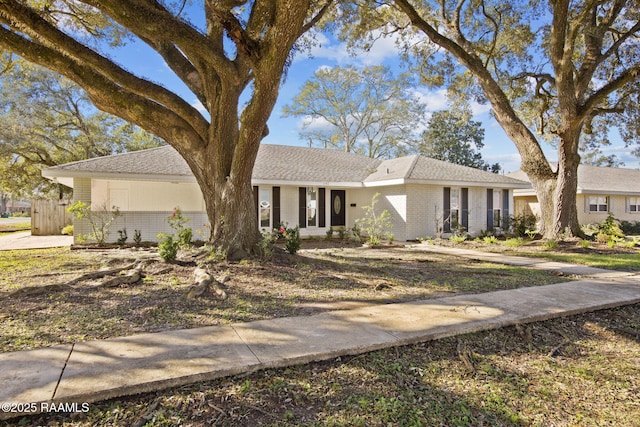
[600, 180]
[420, 169]
[279, 164]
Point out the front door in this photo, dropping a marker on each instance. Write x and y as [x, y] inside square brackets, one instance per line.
[338, 208]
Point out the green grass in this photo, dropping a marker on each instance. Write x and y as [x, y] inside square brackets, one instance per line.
[622, 262]
[6, 228]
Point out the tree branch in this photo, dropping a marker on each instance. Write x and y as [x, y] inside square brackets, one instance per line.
[25, 19]
[104, 93]
[518, 132]
[627, 76]
[313, 21]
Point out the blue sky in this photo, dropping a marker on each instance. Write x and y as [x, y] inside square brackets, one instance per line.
[498, 147]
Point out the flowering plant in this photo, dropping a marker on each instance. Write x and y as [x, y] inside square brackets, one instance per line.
[290, 235]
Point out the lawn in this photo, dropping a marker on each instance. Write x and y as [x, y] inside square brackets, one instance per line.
[577, 371]
[12, 227]
[37, 304]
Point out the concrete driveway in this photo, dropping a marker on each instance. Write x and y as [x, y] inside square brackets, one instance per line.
[24, 240]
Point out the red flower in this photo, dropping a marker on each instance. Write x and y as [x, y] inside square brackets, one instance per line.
[281, 230]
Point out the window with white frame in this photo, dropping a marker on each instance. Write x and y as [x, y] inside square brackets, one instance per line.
[633, 204]
[598, 203]
[265, 207]
[312, 206]
[454, 215]
[497, 212]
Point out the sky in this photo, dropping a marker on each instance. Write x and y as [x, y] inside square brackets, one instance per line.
[498, 148]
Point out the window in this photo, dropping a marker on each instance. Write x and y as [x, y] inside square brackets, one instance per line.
[454, 214]
[312, 206]
[265, 207]
[455, 209]
[598, 203]
[633, 204]
[497, 213]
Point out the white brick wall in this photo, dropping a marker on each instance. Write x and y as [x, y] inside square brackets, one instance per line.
[416, 212]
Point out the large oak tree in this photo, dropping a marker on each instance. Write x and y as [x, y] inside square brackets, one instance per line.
[240, 52]
[564, 70]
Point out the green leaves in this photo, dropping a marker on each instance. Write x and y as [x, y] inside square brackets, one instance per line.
[367, 111]
[454, 137]
[46, 120]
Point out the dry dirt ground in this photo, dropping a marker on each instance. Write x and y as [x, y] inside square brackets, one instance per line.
[52, 296]
[576, 371]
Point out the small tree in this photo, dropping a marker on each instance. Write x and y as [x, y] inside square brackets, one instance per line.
[100, 220]
[377, 227]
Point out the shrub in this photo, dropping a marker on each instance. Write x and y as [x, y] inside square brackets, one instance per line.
[291, 237]
[342, 233]
[137, 237]
[585, 244]
[179, 222]
[490, 240]
[67, 230]
[99, 220]
[609, 231]
[292, 241]
[167, 247]
[123, 236]
[519, 241]
[550, 244]
[630, 228]
[458, 238]
[524, 225]
[330, 233]
[355, 234]
[376, 226]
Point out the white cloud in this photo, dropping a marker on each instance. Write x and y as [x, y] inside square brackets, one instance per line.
[323, 48]
[383, 49]
[314, 124]
[437, 100]
[510, 162]
[433, 100]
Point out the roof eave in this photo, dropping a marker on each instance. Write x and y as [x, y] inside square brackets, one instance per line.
[482, 184]
[276, 182]
[59, 174]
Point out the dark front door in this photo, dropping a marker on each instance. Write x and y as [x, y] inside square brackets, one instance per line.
[338, 208]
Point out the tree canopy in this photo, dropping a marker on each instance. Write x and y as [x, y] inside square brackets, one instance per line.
[47, 120]
[367, 111]
[563, 71]
[221, 50]
[455, 138]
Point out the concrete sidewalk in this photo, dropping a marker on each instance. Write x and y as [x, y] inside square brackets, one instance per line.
[97, 370]
[24, 240]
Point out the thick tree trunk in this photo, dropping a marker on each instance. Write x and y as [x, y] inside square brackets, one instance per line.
[565, 209]
[232, 215]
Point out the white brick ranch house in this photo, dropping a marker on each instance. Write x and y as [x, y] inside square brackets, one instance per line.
[310, 187]
[601, 191]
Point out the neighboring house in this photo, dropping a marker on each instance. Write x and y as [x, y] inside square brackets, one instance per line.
[601, 191]
[313, 188]
[18, 207]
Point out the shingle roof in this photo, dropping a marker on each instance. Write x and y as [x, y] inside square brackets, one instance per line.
[163, 160]
[593, 179]
[423, 169]
[301, 164]
[279, 163]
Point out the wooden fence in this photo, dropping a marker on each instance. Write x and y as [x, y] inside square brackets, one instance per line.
[49, 217]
